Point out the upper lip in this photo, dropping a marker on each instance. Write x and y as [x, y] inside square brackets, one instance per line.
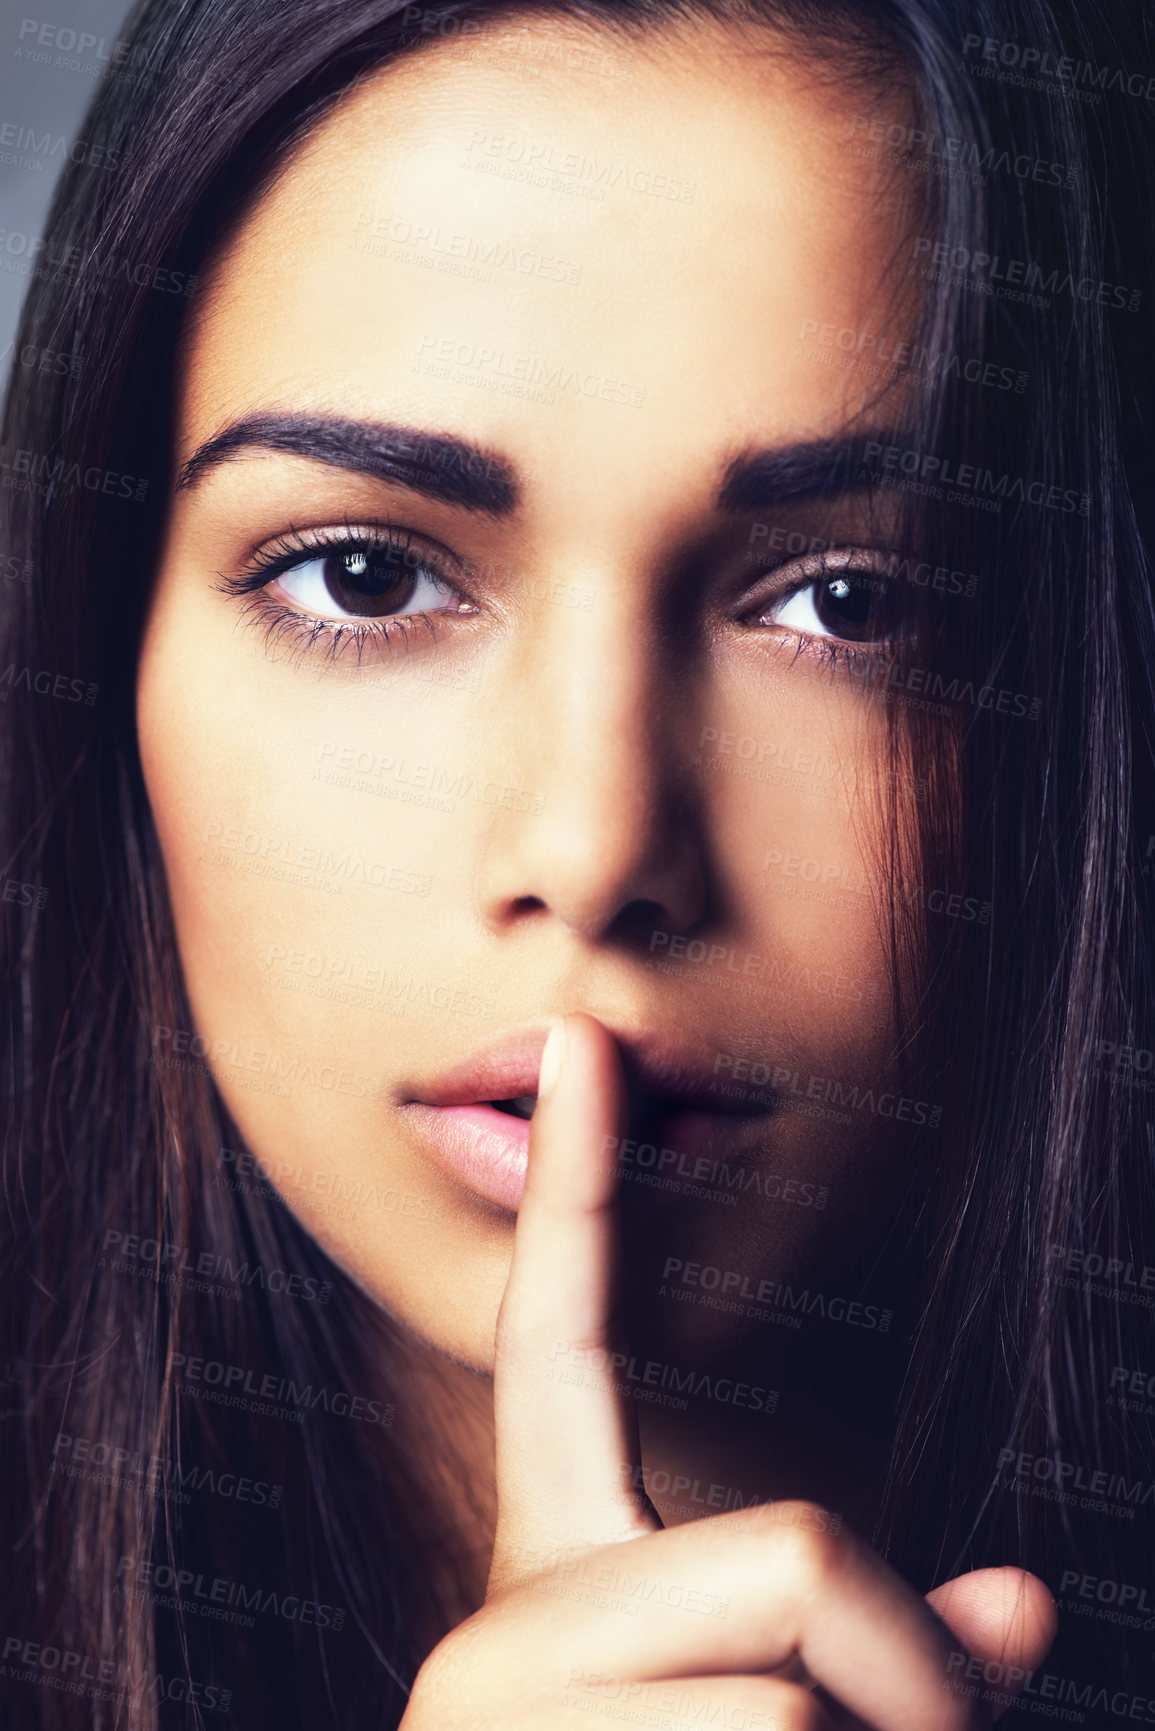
[662, 1072]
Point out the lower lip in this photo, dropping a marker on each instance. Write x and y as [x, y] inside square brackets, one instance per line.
[487, 1149]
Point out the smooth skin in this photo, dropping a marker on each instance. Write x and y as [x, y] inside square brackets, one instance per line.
[587, 645]
[599, 698]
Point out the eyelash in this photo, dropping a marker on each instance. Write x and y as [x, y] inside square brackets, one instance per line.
[839, 654]
[304, 632]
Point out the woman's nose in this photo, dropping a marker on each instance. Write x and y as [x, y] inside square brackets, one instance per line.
[597, 726]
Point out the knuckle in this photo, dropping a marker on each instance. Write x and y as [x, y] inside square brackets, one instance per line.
[804, 1542]
[449, 1667]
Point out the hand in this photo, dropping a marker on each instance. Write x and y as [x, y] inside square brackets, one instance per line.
[593, 1610]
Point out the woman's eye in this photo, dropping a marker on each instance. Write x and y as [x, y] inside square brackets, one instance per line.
[363, 582]
[855, 606]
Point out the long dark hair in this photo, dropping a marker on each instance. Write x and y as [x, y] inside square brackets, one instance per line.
[1027, 1031]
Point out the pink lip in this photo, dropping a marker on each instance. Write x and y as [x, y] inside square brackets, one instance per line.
[489, 1150]
[503, 1071]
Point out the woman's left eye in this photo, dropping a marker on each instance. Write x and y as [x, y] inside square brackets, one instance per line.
[852, 606]
[366, 582]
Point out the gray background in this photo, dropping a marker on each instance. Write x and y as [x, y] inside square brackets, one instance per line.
[49, 100]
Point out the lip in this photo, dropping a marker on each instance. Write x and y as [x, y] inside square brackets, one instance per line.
[670, 1084]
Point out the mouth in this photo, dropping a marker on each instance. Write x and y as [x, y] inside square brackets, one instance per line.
[522, 1106]
[477, 1116]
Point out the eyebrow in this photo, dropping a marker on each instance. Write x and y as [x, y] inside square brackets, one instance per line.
[458, 472]
[442, 467]
[760, 479]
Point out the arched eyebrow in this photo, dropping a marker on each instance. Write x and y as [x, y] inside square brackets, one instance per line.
[457, 472]
[436, 464]
[757, 480]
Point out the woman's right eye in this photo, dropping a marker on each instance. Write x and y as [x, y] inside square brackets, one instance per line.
[362, 581]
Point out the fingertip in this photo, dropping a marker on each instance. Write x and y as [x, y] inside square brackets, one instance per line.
[579, 1118]
[585, 1051]
[552, 1059]
[1003, 1614]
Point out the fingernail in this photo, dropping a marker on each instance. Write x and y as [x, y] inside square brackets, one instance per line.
[551, 1059]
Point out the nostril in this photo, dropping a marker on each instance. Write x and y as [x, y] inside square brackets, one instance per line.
[526, 905]
[637, 922]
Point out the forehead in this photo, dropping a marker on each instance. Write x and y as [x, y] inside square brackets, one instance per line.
[521, 257]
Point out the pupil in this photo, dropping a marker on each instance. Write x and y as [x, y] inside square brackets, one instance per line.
[360, 578]
[851, 606]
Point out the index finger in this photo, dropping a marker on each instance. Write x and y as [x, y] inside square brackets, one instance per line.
[567, 1447]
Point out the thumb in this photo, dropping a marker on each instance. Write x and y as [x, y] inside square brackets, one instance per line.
[1006, 1620]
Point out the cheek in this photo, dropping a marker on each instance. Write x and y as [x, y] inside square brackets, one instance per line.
[304, 842]
[309, 916]
[791, 780]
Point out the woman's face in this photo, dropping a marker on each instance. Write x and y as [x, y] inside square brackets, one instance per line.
[538, 708]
